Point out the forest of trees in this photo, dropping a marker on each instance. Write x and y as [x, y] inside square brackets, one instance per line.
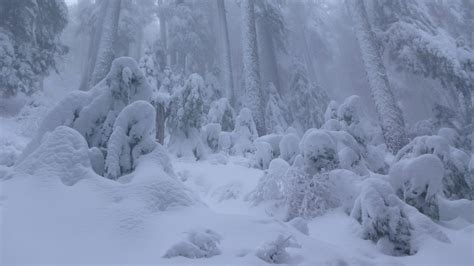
[303, 89]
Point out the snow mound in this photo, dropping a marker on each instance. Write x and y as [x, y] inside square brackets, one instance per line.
[62, 153]
[274, 252]
[199, 244]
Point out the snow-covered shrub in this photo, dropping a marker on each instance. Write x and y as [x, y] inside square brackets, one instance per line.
[150, 69]
[187, 109]
[422, 128]
[452, 136]
[263, 155]
[274, 141]
[225, 142]
[418, 181]
[273, 185]
[62, 153]
[289, 147]
[456, 175]
[186, 118]
[275, 112]
[274, 252]
[133, 135]
[382, 217]
[350, 115]
[199, 244]
[300, 224]
[331, 111]
[93, 113]
[245, 133]
[319, 152]
[221, 112]
[210, 134]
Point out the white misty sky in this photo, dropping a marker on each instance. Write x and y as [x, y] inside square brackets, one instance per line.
[70, 2]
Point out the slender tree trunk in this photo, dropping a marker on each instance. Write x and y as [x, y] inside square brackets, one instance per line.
[93, 48]
[251, 73]
[164, 37]
[228, 79]
[390, 115]
[267, 55]
[105, 53]
[160, 123]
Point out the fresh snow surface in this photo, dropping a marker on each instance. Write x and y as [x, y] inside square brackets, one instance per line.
[98, 221]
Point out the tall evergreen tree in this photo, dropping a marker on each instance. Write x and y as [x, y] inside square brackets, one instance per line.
[253, 93]
[389, 114]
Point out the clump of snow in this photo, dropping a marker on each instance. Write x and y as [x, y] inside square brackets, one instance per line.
[418, 181]
[199, 244]
[274, 252]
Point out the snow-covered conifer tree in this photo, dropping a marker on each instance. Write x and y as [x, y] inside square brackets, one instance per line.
[252, 88]
[389, 114]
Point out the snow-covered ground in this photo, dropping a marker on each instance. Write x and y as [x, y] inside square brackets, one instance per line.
[95, 221]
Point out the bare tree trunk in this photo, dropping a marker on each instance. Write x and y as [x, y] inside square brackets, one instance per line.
[93, 48]
[228, 79]
[267, 56]
[164, 37]
[251, 74]
[390, 115]
[160, 123]
[105, 53]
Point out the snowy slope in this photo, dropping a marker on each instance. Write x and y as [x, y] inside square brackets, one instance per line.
[99, 221]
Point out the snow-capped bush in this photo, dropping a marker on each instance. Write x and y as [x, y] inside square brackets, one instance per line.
[62, 153]
[225, 142]
[93, 113]
[274, 252]
[274, 141]
[289, 147]
[186, 118]
[263, 155]
[418, 181]
[331, 111]
[456, 175]
[97, 160]
[382, 217]
[319, 152]
[133, 135]
[199, 244]
[273, 185]
[210, 134]
[221, 112]
[245, 133]
[350, 115]
[275, 112]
